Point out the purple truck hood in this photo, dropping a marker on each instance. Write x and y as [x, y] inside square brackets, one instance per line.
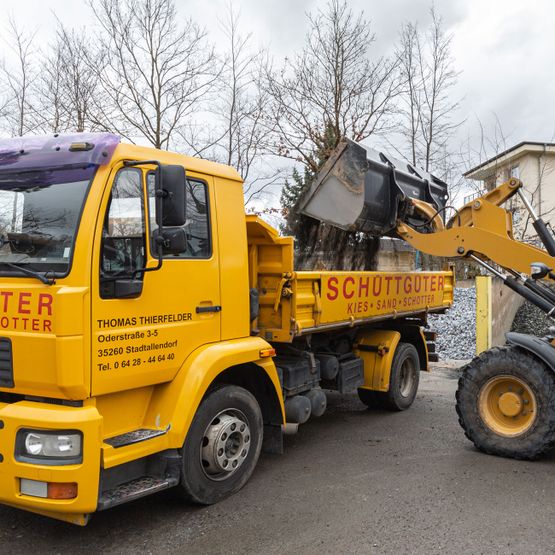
[53, 151]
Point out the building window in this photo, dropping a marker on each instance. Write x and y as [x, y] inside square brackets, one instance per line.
[515, 172]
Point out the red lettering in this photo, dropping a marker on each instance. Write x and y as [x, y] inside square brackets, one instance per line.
[398, 280]
[350, 280]
[6, 295]
[377, 286]
[417, 284]
[433, 283]
[47, 325]
[426, 278]
[363, 286]
[407, 285]
[333, 292]
[45, 301]
[388, 281]
[440, 283]
[23, 302]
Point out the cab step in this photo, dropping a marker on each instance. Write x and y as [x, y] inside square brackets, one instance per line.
[140, 487]
[135, 436]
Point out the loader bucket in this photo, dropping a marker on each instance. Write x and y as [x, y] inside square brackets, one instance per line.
[360, 189]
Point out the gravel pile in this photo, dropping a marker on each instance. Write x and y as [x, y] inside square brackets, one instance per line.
[530, 319]
[456, 329]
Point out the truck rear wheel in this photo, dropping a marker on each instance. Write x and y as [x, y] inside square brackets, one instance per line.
[506, 403]
[403, 381]
[222, 446]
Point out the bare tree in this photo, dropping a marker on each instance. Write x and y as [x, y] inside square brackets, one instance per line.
[239, 110]
[18, 74]
[51, 113]
[331, 89]
[429, 76]
[153, 71]
[81, 83]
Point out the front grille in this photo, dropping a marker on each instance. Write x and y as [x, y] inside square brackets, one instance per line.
[6, 363]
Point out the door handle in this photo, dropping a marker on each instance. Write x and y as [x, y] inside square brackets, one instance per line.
[202, 309]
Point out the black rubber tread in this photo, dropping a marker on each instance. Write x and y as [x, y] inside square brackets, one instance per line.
[391, 399]
[513, 361]
[195, 486]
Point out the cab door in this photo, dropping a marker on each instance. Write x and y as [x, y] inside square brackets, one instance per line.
[145, 323]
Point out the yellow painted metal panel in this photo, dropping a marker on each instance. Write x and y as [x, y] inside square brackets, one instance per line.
[364, 294]
[144, 341]
[483, 313]
[232, 240]
[377, 365]
[32, 415]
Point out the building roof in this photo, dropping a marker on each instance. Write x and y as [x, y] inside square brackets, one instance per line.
[485, 169]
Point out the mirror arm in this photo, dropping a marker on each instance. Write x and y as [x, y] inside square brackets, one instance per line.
[159, 192]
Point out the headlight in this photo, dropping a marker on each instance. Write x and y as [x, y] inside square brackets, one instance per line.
[49, 447]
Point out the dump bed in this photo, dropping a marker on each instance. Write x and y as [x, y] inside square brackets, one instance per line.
[292, 303]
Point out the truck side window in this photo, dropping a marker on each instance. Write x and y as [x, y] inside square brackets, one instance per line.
[197, 224]
[123, 233]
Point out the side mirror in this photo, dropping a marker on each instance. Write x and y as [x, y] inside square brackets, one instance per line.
[170, 191]
[124, 288]
[172, 239]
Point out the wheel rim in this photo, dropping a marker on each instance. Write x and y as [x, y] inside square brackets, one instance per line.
[507, 405]
[407, 378]
[225, 444]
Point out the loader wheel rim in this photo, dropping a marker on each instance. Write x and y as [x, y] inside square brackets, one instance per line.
[225, 444]
[507, 405]
[407, 378]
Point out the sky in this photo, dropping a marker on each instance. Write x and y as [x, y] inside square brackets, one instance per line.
[503, 49]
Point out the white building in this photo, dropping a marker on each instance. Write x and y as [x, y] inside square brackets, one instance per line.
[534, 164]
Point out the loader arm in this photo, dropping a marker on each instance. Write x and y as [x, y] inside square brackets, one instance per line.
[483, 228]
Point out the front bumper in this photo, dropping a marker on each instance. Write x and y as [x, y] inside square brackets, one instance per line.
[28, 414]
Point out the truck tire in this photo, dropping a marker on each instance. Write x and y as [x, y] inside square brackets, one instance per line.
[403, 382]
[506, 403]
[222, 446]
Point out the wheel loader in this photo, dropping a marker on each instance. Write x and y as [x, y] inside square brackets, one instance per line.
[506, 396]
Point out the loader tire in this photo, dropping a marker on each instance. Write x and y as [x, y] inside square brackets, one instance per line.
[506, 403]
[403, 382]
[222, 446]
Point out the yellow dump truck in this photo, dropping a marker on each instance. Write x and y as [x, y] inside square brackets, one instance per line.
[152, 335]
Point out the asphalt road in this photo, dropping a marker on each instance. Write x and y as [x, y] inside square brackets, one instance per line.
[353, 481]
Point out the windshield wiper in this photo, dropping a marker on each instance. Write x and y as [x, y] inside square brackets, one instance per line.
[27, 271]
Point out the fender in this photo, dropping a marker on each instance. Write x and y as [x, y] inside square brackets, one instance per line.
[376, 348]
[175, 403]
[534, 345]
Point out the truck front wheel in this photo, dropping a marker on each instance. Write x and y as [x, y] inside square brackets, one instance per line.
[506, 403]
[222, 446]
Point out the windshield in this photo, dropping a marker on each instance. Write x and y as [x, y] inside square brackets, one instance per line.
[39, 215]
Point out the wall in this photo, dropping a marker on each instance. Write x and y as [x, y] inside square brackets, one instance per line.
[504, 305]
